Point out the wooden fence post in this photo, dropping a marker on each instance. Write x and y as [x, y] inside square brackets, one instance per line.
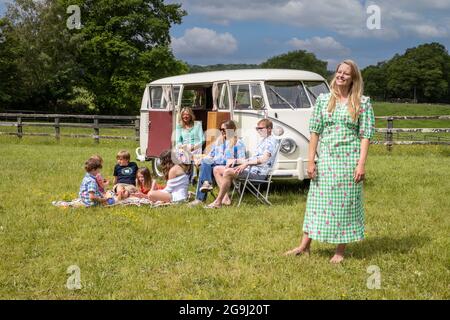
[57, 129]
[19, 127]
[389, 134]
[96, 131]
[137, 126]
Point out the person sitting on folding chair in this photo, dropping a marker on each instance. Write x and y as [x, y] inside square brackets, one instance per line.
[260, 164]
[226, 147]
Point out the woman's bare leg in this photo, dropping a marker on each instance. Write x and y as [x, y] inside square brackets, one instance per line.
[159, 196]
[339, 255]
[303, 248]
[227, 180]
[218, 175]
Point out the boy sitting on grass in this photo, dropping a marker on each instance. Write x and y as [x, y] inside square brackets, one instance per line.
[124, 175]
[90, 193]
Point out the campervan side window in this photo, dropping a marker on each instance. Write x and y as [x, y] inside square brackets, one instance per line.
[224, 101]
[156, 96]
[241, 96]
[314, 89]
[160, 95]
[286, 95]
[247, 96]
[194, 97]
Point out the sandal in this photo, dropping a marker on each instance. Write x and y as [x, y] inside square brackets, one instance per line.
[213, 206]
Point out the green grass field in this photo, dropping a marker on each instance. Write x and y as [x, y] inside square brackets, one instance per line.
[234, 253]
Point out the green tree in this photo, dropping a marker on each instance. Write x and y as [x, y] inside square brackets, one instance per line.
[421, 73]
[126, 45]
[300, 59]
[121, 46]
[43, 63]
[375, 84]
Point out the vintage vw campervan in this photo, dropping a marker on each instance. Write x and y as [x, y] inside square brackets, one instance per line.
[286, 97]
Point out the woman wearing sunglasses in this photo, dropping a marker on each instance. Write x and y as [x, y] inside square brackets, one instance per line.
[226, 147]
[261, 162]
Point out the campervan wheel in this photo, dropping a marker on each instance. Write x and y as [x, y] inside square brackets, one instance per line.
[156, 168]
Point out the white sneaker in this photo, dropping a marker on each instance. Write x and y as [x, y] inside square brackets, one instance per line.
[206, 187]
[194, 203]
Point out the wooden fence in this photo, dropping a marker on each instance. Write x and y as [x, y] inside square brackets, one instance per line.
[135, 125]
[57, 125]
[390, 130]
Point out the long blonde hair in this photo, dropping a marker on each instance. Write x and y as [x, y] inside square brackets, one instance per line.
[230, 125]
[355, 94]
[190, 112]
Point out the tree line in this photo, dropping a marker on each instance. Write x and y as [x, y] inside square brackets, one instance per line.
[121, 46]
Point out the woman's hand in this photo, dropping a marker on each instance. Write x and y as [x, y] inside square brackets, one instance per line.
[230, 163]
[312, 170]
[359, 173]
[240, 168]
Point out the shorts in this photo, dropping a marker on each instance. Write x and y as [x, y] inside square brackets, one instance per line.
[253, 175]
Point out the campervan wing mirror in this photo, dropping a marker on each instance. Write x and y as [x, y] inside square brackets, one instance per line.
[257, 102]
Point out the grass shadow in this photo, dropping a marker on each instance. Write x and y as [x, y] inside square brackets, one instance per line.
[378, 246]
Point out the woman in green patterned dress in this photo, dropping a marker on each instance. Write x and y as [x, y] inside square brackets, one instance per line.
[343, 121]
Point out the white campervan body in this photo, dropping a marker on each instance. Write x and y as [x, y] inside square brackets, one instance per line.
[286, 97]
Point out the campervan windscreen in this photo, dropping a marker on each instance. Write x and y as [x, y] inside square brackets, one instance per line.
[315, 88]
[292, 95]
[286, 95]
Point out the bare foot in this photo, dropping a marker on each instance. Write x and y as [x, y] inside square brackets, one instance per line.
[297, 251]
[337, 258]
[226, 201]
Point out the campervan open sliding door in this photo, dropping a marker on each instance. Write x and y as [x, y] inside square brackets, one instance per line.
[221, 110]
[160, 120]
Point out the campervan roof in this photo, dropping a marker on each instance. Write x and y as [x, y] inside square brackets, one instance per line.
[241, 75]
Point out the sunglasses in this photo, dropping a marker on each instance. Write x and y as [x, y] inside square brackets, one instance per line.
[260, 128]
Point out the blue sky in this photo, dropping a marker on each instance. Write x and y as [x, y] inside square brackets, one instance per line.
[251, 31]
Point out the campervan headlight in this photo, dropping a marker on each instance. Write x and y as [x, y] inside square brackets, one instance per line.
[288, 146]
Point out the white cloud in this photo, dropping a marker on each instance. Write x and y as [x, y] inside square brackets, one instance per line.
[427, 31]
[202, 42]
[323, 47]
[344, 17]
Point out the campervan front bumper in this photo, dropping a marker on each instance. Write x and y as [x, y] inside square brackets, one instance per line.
[298, 170]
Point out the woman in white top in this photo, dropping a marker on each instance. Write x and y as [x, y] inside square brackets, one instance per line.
[176, 174]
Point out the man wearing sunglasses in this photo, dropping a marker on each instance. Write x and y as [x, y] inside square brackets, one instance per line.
[260, 163]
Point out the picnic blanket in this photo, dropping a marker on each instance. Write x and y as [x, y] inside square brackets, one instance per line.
[131, 201]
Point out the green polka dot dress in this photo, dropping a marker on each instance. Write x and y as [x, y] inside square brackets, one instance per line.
[334, 208]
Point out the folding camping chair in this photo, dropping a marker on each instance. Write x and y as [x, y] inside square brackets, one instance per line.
[254, 185]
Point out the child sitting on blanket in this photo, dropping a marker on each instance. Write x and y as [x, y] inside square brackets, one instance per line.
[100, 180]
[90, 194]
[124, 175]
[145, 183]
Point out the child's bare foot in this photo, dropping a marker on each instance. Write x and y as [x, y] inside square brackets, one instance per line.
[298, 251]
[337, 258]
